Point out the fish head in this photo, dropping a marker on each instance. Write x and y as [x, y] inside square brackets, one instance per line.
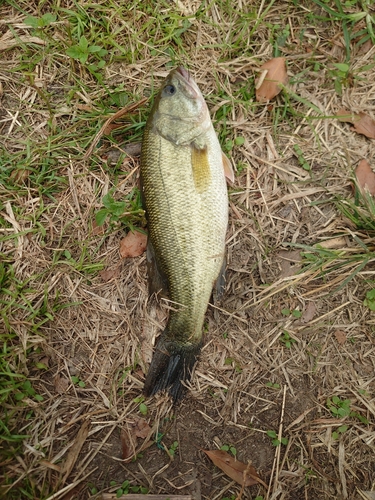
[180, 113]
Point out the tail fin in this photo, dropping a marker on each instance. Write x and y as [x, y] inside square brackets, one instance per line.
[172, 364]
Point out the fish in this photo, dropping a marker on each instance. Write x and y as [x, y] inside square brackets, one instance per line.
[185, 197]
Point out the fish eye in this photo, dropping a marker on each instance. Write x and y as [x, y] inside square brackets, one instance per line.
[169, 89]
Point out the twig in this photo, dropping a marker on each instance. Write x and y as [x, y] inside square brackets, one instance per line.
[276, 461]
[116, 116]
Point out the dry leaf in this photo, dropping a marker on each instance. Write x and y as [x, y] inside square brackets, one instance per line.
[340, 337]
[275, 77]
[346, 116]
[128, 444]
[133, 244]
[111, 127]
[234, 468]
[75, 449]
[363, 124]
[6, 42]
[309, 312]
[119, 114]
[338, 242]
[108, 274]
[97, 230]
[141, 428]
[73, 494]
[290, 262]
[20, 175]
[365, 176]
[61, 384]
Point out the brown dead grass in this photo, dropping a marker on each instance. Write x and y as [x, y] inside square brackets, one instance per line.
[105, 337]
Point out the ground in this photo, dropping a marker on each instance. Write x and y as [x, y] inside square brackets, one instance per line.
[285, 379]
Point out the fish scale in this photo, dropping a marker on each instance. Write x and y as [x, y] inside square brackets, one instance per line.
[187, 209]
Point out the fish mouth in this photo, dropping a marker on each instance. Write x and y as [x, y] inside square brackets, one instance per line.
[188, 82]
[183, 72]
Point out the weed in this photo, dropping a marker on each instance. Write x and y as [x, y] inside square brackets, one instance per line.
[234, 363]
[77, 381]
[301, 159]
[294, 312]
[40, 22]
[172, 449]
[286, 339]
[127, 488]
[341, 408]
[142, 406]
[92, 488]
[340, 430]
[280, 36]
[83, 50]
[370, 299]
[275, 440]
[229, 448]
[272, 385]
[341, 76]
[128, 211]
[348, 20]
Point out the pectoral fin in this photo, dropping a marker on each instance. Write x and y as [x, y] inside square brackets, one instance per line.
[201, 168]
[228, 169]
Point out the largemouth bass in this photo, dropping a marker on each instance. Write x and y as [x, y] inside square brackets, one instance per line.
[186, 202]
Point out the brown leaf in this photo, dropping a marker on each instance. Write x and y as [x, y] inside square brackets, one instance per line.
[111, 127]
[141, 428]
[241, 473]
[365, 176]
[290, 262]
[75, 449]
[308, 313]
[275, 77]
[346, 116]
[332, 243]
[340, 337]
[108, 274]
[133, 244]
[20, 175]
[72, 494]
[363, 124]
[128, 443]
[6, 42]
[97, 230]
[61, 384]
[119, 114]
[138, 429]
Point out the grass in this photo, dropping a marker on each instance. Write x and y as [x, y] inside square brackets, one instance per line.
[66, 68]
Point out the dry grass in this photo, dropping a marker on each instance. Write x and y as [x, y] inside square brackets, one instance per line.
[101, 327]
